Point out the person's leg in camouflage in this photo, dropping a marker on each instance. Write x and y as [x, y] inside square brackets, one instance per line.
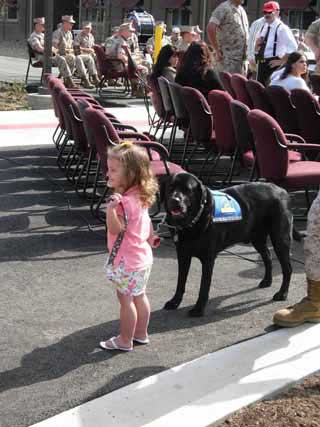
[64, 69]
[82, 72]
[90, 65]
[308, 309]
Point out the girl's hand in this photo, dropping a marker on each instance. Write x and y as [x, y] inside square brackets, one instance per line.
[114, 200]
[154, 241]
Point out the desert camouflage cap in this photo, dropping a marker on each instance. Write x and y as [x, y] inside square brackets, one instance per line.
[87, 25]
[68, 18]
[40, 20]
[188, 29]
[126, 26]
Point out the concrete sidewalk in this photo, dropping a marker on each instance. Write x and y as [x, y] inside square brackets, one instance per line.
[56, 308]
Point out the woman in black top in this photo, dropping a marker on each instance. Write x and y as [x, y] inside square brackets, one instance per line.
[196, 69]
[166, 64]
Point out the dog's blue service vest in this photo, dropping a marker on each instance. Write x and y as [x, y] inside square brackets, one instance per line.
[226, 208]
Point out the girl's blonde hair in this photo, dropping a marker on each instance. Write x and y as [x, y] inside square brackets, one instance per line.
[137, 170]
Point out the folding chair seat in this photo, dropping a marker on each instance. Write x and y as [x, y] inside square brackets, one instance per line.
[238, 83]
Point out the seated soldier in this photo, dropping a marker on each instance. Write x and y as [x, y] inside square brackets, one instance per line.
[175, 36]
[118, 47]
[165, 40]
[36, 41]
[188, 35]
[62, 41]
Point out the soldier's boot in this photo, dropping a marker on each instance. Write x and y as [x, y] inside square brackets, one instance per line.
[86, 84]
[307, 310]
[95, 80]
[69, 84]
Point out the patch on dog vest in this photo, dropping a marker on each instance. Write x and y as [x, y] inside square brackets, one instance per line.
[226, 208]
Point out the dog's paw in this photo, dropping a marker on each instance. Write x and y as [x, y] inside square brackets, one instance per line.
[196, 312]
[279, 296]
[172, 304]
[265, 283]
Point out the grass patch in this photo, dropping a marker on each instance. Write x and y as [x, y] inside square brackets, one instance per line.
[13, 96]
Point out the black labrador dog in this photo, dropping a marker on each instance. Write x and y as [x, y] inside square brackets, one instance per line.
[265, 212]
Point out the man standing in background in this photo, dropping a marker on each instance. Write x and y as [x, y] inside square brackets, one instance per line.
[228, 32]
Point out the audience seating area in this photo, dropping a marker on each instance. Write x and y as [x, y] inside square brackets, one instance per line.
[247, 132]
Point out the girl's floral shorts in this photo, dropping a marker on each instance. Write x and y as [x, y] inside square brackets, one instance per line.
[131, 283]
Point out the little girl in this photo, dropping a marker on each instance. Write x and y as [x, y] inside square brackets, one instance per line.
[130, 238]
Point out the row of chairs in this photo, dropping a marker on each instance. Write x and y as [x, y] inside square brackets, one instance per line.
[85, 130]
[222, 126]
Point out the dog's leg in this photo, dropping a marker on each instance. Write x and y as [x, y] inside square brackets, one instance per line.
[184, 262]
[261, 247]
[282, 249]
[207, 268]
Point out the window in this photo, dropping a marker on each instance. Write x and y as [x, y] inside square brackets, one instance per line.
[9, 10]
[182, 16]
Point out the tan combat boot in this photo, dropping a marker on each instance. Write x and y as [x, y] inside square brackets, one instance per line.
[86, 84]
[68, 82]
[307, 310]
[95, 80]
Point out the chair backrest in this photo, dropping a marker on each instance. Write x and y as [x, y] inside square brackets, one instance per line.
[242, 130]
[219, 102]
[259, 97]
[285, 111]
[31, 53]
[225, 78]
[201, 121]
[308, 114]
[179, 108]
[270, 142]
[238, 83]
[73, 121]
[315, 83]
[108, 67]
[165, 94]
[155, 97]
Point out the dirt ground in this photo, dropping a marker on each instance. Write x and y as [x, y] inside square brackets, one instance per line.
[298, 407]
[13, 97]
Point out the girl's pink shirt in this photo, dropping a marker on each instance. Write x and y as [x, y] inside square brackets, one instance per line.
[134, 250]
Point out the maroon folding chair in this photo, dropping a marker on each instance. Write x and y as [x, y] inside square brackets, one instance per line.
[226, 142]
[111, 68]
[225, 78]
[272, 151]
[33, 62]
[202, 134]
[315, 83]
[308, 114]
[238, 83]
[259, 98]
[284, 110]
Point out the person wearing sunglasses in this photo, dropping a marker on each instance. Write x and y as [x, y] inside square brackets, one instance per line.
[273, 44]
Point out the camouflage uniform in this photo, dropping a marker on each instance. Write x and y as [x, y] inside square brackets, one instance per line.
[182, 46]
[314, 33]
[312, 241]
[150, 42]
[84, 40]
[175, 42]
[36, 41]
[232, 36]
[63, 40]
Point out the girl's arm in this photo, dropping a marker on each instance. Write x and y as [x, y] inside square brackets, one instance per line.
[115, 223]
[153, 240]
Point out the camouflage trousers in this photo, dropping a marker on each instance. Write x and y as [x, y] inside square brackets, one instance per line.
[312, 241]
[81, 63]
[232, 65]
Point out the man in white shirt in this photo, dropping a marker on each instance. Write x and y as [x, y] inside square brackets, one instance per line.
[273, 43]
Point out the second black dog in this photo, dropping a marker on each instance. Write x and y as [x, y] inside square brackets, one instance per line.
[265, 212]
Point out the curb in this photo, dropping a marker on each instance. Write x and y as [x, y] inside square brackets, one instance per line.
[205, 391]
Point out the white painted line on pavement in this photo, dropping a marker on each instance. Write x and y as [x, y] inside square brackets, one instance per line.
[206, 390]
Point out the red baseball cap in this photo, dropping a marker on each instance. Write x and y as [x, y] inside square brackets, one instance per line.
[271, 6]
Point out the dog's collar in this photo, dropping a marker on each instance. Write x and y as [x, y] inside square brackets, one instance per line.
[202, 205]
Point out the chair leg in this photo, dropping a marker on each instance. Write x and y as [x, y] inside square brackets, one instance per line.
[233, 163]
[27, 74]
